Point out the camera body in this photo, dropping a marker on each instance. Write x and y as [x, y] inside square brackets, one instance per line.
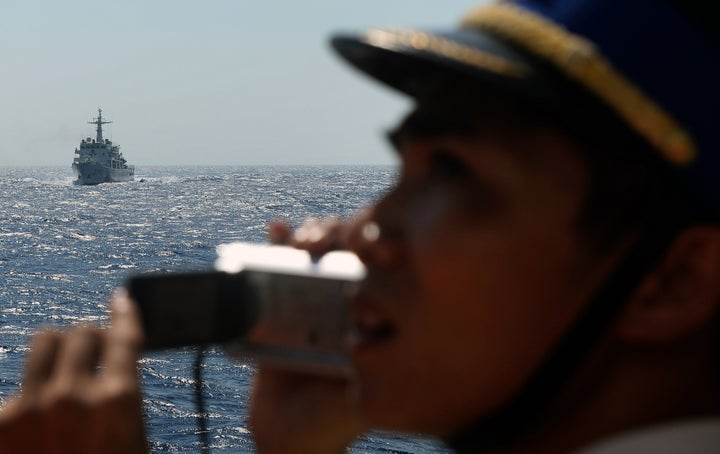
[275, 304]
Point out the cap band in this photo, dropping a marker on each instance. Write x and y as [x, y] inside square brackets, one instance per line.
[580, 60]
[396, 38]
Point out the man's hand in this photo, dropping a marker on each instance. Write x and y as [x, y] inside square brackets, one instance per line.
[293, 413]
[80, 391]
[319, 236]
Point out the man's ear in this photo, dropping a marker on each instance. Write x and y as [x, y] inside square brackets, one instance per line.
[681, 294]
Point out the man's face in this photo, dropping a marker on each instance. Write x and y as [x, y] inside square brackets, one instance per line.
[477, 271]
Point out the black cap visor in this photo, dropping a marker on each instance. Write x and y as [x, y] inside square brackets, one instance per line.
[414, 62]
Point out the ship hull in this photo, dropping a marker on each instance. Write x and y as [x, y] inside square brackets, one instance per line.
[90, 173]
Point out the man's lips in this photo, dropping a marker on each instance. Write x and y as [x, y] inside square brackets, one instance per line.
[372, 323]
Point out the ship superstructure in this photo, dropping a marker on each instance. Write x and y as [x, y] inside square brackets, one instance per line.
[98, 160]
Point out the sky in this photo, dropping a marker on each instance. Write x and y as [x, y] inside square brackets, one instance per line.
[219, 82]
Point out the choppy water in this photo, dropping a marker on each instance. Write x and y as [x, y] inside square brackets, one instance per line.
[63, 248]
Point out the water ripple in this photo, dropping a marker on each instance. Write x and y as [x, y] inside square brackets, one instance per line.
[64, 248]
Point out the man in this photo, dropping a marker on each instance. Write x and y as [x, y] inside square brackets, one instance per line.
[543, 275]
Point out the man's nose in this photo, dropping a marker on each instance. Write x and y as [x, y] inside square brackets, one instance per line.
[379, 240]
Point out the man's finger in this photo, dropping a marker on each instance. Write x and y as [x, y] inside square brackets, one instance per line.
[124, 338]
[279, 232]
[40, 361]
[78, 354]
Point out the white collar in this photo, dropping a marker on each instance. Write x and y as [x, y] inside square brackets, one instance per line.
[686, 437]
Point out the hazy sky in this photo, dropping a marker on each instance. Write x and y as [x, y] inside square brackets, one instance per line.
[189, 82]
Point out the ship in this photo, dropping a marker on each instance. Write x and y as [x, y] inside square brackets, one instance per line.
[99, 161]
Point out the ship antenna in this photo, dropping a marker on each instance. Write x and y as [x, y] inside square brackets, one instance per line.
[99, 122]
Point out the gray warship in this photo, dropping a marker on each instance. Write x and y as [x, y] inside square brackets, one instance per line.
[99, 161]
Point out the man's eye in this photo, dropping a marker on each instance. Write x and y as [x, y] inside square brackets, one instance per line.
[446, 164]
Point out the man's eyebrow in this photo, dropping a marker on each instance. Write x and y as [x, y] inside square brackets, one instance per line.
[394, 138]
[425, 124]
[432, 123]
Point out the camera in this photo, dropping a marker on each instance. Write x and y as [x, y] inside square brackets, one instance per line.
[275, 304]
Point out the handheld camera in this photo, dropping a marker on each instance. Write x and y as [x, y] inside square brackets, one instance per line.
[276, 304]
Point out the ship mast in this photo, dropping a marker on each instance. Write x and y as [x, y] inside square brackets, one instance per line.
[99, 122]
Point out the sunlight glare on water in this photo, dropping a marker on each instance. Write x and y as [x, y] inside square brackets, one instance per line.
[64, 248]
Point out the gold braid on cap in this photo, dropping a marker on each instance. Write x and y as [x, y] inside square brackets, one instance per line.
[580, 60]
[396, 38]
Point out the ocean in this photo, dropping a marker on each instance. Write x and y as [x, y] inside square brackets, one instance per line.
[64, 248]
